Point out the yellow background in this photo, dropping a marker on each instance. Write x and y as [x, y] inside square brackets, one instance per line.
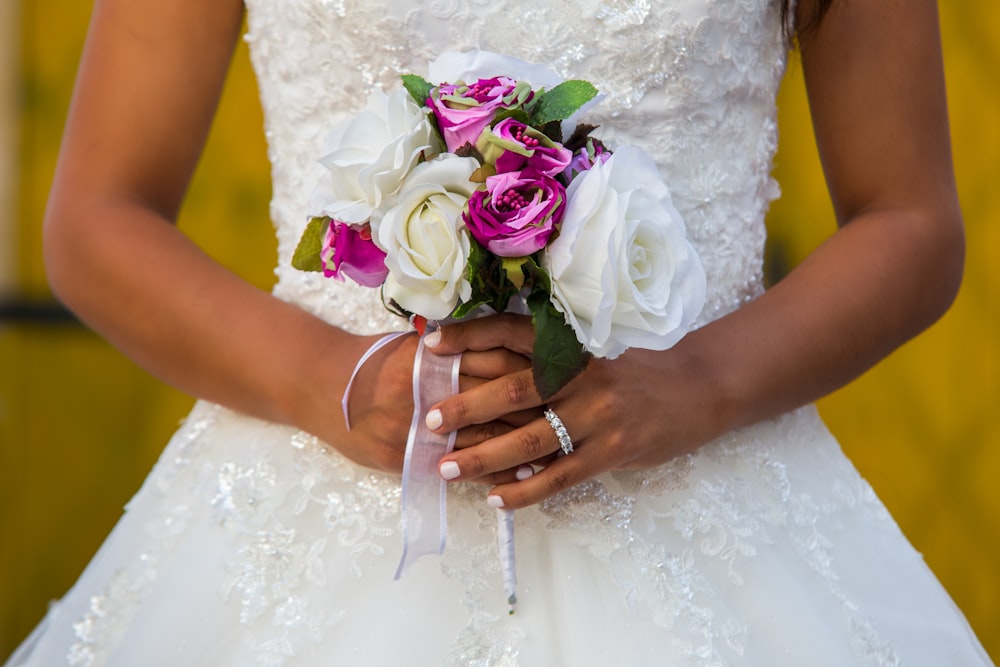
[80, 425]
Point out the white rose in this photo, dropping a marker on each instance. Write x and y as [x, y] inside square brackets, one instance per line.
[370, 155]
[425, 240]
[623, 272]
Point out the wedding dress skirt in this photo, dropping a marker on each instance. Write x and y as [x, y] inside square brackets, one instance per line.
[254, 544]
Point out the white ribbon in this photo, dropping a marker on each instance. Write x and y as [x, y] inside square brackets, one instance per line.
[424, 515]
[369, 353]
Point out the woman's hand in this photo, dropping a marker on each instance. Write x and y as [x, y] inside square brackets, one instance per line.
[639, 410]
[892, 268]
[381, 404]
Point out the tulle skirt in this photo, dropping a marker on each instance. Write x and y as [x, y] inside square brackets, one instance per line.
[254, 544]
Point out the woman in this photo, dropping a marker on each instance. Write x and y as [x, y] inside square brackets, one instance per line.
[703, 516]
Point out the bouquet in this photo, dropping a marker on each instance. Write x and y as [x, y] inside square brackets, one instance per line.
[480, 192]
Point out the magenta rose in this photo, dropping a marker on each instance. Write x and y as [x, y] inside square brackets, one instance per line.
[349, 251]
[462, 111]
[513, 146]
[517, 213]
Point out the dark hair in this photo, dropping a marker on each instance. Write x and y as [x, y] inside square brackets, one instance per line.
[811, 22]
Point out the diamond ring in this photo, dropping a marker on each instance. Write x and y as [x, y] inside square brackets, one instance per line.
[565, 442]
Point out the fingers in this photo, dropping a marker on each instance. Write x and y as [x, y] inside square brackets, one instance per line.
[522, 472]
[515, 418]
[489, 401]
[561, 474]
[508, 331]
[496, 382]
[479, 433]
[493, 363]
[496, 460]
[533, 443]
[501, 462]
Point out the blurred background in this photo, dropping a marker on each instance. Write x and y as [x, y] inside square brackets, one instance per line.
[80, 425]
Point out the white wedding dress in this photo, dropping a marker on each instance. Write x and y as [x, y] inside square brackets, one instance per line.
[253, 544]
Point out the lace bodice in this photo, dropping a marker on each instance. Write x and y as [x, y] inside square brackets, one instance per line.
[691, 81]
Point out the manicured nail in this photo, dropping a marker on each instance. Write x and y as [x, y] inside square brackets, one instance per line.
[433, 419]
[433, 339]
[523, 472]
[449, 470]
[494, 501]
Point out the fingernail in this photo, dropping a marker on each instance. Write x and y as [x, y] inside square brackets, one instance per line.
[494, 501]
[524, 472]
[449, 470]
[433, 419]
[433, 339]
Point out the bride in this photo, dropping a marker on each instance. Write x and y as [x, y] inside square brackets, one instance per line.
[704, 515]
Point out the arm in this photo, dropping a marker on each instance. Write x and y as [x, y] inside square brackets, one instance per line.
[146, 91]
[876, 89]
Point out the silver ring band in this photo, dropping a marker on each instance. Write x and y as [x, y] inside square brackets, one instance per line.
[565, 442]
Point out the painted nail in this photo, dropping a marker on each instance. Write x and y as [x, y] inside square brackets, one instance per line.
[494, 501]
[524, 472]
[433, 419]
[449, 470]
[433, 339]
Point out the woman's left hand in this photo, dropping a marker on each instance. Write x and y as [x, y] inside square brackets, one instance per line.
[639, 410]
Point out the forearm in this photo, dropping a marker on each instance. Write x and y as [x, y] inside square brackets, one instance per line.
[142, 284]
[879, 281]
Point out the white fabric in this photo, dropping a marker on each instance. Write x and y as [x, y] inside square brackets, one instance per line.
[252, 544]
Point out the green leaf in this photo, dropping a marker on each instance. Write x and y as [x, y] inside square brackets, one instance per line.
[307, 252]
[477, 272]
[478, 258]
[465, 308]
[558, 356]
[513, 268]
[418, 88]
[561, 102]
[482, 173]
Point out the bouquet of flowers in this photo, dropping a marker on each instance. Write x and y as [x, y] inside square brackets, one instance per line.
[482, 192]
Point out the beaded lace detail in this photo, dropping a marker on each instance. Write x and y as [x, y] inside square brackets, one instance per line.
[110, 610]
[693, 82]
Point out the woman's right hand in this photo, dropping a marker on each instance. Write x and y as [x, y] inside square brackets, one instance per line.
[381, 402]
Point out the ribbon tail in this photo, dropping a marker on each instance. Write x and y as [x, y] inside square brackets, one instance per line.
[424, 493]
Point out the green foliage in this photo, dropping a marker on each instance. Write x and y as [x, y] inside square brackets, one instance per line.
[418, 87]
[558, 356]
[478, 258]
[307, 252]
[561, 102]
[513, 269]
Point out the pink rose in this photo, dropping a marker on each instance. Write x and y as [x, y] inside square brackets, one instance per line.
[462, 111]
[517, 213]
[350, 251]
[513, 146]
